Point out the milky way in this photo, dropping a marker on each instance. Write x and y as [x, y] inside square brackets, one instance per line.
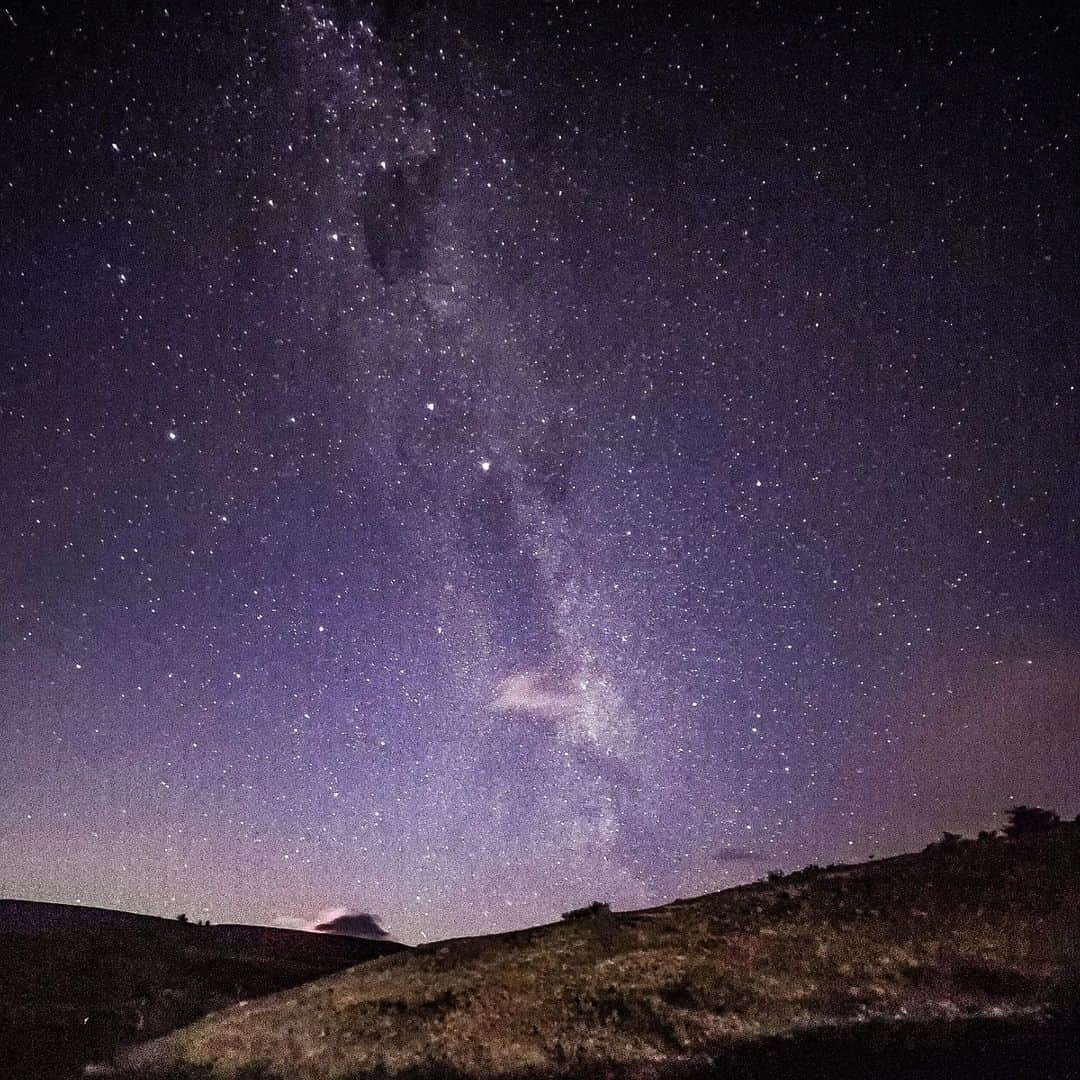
[461, 464]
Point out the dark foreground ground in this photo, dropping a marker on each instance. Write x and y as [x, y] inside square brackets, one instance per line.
[1045, 1048]
[959, 961]
[77, 984]
[962, 960]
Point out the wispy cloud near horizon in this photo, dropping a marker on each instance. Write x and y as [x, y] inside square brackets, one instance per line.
[337, 920]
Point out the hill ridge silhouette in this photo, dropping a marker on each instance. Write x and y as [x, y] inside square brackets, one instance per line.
[966, 954]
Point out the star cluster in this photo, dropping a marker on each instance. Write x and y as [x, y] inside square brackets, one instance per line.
[466, 462]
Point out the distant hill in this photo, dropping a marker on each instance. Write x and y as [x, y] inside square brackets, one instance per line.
[960, 961]
[76, 983]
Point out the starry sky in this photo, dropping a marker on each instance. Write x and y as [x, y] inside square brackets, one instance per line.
[461, 462]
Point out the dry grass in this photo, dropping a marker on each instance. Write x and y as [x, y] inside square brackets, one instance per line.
[942, 935]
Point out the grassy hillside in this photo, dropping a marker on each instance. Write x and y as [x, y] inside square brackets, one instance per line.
[968, 951]
[76, 983]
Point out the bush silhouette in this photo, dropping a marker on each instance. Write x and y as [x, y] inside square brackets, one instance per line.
[1025, 820]
[590, 911]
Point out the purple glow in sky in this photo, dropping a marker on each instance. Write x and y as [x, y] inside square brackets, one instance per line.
[464, 463]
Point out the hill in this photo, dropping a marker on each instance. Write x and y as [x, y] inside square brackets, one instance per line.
[77, 983]
[962, 960]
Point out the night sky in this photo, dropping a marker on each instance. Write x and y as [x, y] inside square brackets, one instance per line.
[462, 462]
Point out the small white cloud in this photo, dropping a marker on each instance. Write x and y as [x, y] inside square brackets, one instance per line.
[336, 920]
[535, 692]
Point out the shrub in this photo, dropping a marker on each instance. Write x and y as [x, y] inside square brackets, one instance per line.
[590, 911]
[1025, 820]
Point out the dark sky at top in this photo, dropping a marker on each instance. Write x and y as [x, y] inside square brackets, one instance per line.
[463, 462]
